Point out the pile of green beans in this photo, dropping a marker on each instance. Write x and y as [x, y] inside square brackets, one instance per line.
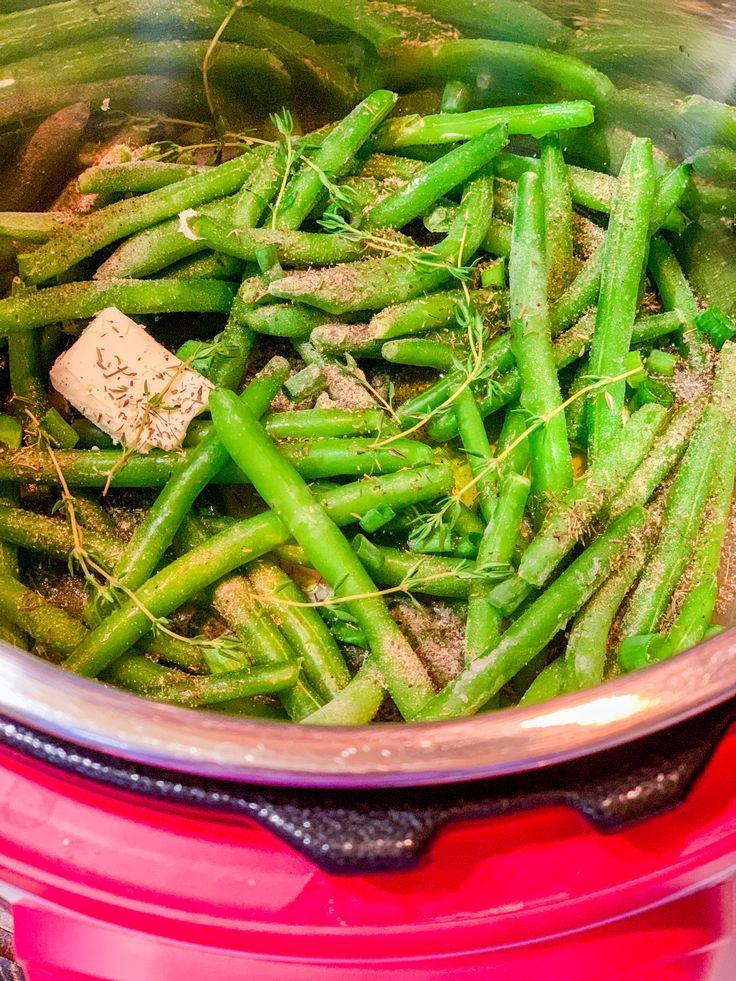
[460, 362]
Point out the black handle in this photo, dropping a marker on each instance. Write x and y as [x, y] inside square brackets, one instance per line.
[374, 830]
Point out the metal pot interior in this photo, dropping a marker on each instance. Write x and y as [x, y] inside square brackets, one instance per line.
[685, 44]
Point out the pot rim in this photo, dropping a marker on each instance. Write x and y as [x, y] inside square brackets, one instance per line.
[87, 713]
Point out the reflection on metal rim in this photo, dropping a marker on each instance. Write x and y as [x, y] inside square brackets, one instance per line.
[85, 712]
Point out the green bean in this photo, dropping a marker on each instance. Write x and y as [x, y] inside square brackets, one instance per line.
[717, 163]
[433, 575]
[403, 673]
[26, 381]
[456, 97]
[375, 283]
[512, 446]
[246, 541]
[623, 263]
[259, 190]
[293, 248]
[323, 664]
[156, 532]
[53, 424]
[208, 265]
[551, 463]
[483, 626]
[156, 248]
[420, 352]
[35, 226]
[92, 514]
[438, 178]
[535, 120]
[685, 506]
[134, 176]
[356, 704]
[516, 66]
[52, 537]
[558, 215]
[549, 683]
[145, 678]
[507, 20]
[475, 442]
[48, 625]
[361, 18]
[87, 234]
[536, 627]
[11, 432]
[676, 294]
[584, 289]
[707, 251]
[701, 576]
[326, 423]
[567, 523]
[585, 656]
[315, 460]
[425, 314]
[284, 320]
[78, 301]
[331, 159]
[383, 166]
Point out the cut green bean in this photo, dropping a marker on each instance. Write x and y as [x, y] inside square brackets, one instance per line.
[551, 463]
[322, 662]
[438, 178]
[53, 537]
[535, 120]
[79, 301]
[280, 485]
[676, 294]
[35, 226]
[435, 575]
[513, 67]
[48, 625]
[587, 647]
[140, 675]
[207, 265]
[623, 263]
[558, 215]
[293, 248]
[134, 177]
[483, 627]
[475, 442]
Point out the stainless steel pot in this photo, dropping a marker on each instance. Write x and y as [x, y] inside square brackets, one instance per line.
[44, 698]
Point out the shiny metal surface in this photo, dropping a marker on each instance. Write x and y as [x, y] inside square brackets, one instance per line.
[95, 716]
[43, 697]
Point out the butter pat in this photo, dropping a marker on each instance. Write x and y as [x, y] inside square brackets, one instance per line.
[130, 386]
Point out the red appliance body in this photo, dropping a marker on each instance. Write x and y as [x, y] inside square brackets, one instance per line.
[110, 884]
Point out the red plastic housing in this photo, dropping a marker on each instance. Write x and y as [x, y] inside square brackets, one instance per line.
[120, 887]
